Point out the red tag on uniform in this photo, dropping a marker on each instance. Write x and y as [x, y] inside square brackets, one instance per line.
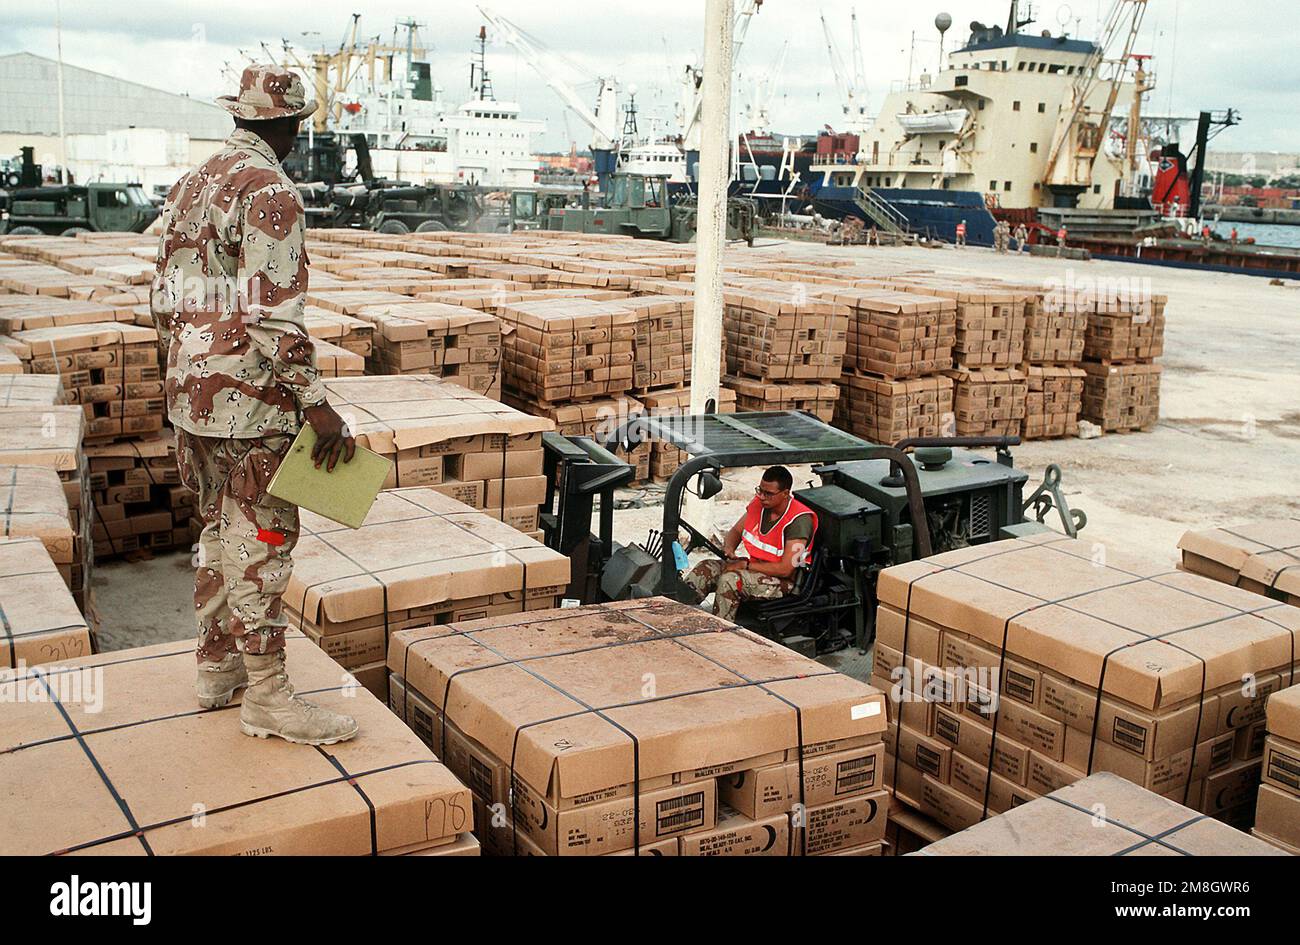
[270, 538]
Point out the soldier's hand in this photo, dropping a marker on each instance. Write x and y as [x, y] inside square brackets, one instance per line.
[332, 437]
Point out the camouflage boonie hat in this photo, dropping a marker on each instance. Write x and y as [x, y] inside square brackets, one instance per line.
[265, 93]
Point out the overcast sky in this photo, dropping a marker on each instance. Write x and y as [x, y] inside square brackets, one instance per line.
[1207, 54]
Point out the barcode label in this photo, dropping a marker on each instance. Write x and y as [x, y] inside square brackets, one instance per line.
[1127, 735]
[1284, 768]
[677, 814]
[927, 760]
[480, 778]
[1019, 686]
[947, 727]
[855, 774]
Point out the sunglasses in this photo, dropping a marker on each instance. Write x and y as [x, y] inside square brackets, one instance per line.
[759, 491]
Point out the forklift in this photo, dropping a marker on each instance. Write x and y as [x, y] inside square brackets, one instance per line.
[876, 506]
[639, 205]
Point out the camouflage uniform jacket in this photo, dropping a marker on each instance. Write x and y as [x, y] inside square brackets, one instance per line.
[229, 290]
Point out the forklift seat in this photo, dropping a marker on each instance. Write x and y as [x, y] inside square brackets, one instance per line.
[806, 579]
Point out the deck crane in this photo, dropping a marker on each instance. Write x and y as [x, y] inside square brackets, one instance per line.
[757, 111]
[692, 98]
[853, 93]
[604, 121]
[1081, 126]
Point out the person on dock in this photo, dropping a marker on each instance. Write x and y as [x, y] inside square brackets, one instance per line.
[1021, 237]
[241, 378]
[961, 233]
[777, 534]
[873, 236]
[1061, 236]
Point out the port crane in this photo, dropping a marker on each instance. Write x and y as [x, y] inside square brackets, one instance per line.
[604, 120]
[1081, 126]
[852, 90]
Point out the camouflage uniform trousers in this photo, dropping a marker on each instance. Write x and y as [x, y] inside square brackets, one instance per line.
[238, 576]
[731, 588]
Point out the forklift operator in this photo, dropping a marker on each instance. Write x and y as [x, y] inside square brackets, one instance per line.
[776, 531]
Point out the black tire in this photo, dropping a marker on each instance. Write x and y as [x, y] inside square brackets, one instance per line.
[74, 231]
[393, 226]
[431, 226]
[24, 231]
[13, 180]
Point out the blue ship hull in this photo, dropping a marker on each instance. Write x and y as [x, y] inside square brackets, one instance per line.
[930, 212]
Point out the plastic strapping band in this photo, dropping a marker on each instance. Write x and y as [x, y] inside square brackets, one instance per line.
[135, 831]
[356, 785]
[1147, 838]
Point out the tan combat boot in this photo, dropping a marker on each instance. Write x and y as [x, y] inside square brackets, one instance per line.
[216, 683]
[271, 708]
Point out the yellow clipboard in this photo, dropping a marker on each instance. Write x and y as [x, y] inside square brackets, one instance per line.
[344, 495]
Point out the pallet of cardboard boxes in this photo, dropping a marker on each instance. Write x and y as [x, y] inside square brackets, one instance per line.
[139, 502]
[141, 774]
[109, 368]
[1024, 665]
[1277, 811]
[419, 558]
[570, 349]
[644, 728]
[893, 385]
[1066, 823]
[1263, 557]
[42, 621]
[50, 438]
[1125, 335]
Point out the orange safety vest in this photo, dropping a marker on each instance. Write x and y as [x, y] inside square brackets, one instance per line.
[770, 545]
[961, 229]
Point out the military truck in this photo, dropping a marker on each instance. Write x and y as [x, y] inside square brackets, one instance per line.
[67, 210]
[529, 209]
[638, 205]
[334, 196]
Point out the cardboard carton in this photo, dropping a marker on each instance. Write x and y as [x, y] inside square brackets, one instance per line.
[1102, 815]
[191, 782]
[1259, 556]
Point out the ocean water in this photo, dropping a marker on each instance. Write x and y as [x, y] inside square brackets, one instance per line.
[1265, 234]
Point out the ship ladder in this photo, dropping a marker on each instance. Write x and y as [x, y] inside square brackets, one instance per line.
[881, 212]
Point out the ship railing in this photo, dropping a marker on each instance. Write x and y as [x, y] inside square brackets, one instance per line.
[881, 212]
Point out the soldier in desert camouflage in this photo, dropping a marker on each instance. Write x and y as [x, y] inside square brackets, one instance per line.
[241, 378]
[777, 533]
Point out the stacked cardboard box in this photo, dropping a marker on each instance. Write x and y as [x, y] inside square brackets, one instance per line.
[428, 559]
[568, 349]
[663, 344]
[990, 320]
[1065, 822]
[33, 505]
[109, 368]
[50, 438]
[31, 389]
[593, 418]
[1263, 557]
[988, 401]
[451, 440]
[448, 341]
[1054, 328]
[899, 343]
[23, 312]
[1277, 813]
[42, 621]
[333, 361]
[348, 332]
[1122, 387]
[83, 751]
[664, 458]
[1125, 327]
[569, 754]
[776, 338]
[816, 399]
[1024, 665]
[1121, 397]
[139, 502]
[885, 410]
[1053, 401]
